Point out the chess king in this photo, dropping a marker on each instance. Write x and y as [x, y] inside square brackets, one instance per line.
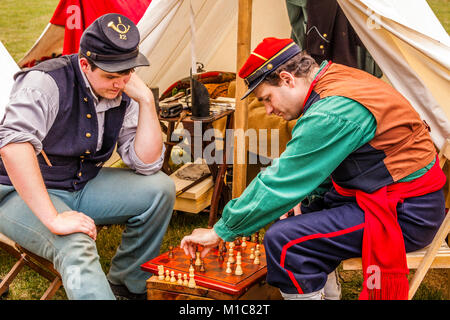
[361, 163]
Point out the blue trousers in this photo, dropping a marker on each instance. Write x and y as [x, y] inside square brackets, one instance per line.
[302, 250]
[116, 196]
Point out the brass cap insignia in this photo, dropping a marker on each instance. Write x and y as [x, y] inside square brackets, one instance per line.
[119, 28]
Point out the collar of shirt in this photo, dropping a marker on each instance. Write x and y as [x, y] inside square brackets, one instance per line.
[102, 104]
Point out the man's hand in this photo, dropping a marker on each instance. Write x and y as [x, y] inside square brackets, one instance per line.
[293, 212]
[71, 222]
[208, 238]
[137, 90]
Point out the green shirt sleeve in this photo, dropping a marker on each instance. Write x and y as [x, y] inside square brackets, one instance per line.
[329, 131]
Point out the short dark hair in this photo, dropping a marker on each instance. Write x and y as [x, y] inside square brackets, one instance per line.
[299, 65]
[93, 66]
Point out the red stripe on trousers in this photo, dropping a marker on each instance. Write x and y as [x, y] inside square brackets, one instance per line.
[311, 237]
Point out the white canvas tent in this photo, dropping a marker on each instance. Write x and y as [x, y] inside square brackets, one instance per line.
[9, 68]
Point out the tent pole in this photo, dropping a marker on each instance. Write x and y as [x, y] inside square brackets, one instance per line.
[241, 114]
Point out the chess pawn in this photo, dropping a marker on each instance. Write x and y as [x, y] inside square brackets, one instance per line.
[256, 261]
[231, 245]
[170, 252]
[167, 276]
[191, 283]
[238, 270]
[160, 273]
[172, 277]
[228, 268]
[202, 267]
[198, 261]
[185, 281]
[244, 243]
[180, 280]
[252, 253]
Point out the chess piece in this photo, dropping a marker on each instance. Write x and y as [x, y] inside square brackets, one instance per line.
[231, 245]
[202, 266]
[252, 253]
[172, 277]
[230, 256]
[198, 261]
[191, 269]
[170, 252]
[237, 242]
[256, 261]
[220, 257]
[238, 270]
[180, 280]
[185, 281]
[167, 276]
[244, 242]
[191, 283]
[160, 273]
[228, 268]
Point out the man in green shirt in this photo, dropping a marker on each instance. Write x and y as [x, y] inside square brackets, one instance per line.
[363, 134]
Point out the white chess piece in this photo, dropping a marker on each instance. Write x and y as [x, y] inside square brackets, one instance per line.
[167, 276]
[252, 253]
[244, 243]
[180, 280]
[191, 283]
[238, 270]
[172, 277]
[231, 256]
[228, 268]
[160, 273]
[256, 261]
[198, 261]
[185, 281]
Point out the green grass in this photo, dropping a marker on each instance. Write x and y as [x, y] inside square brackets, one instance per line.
[441, 9]
[21, 23]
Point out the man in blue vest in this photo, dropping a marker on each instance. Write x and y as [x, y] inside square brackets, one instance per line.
[63, 121]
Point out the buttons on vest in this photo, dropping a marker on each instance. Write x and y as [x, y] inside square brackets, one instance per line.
[80, 174]
[88, 135]
[85, 99]
[88, 115]
[87, 152]
[321, 46]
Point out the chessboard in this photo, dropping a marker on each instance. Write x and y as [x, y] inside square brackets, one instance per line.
[212, 274]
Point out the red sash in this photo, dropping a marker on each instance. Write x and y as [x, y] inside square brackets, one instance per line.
[383, 250]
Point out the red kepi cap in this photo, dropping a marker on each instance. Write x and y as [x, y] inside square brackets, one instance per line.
[266, 58]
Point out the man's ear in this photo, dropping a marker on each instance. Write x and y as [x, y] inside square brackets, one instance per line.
[287, 78]
[85, 66]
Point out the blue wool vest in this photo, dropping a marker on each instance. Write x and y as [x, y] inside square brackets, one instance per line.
[71, 142]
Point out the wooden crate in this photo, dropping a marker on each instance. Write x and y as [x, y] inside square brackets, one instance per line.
[194, 199]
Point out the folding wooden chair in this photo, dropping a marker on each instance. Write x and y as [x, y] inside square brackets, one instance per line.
[38, 264]
[436, 255]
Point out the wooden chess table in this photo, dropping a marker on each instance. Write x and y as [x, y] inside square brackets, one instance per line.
[214, 282]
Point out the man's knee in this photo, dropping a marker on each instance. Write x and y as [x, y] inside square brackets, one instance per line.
[276, 235]
[160, 186]
[75, 250]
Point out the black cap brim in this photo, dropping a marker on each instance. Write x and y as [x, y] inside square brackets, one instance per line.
[117, 66]
[252, 87]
